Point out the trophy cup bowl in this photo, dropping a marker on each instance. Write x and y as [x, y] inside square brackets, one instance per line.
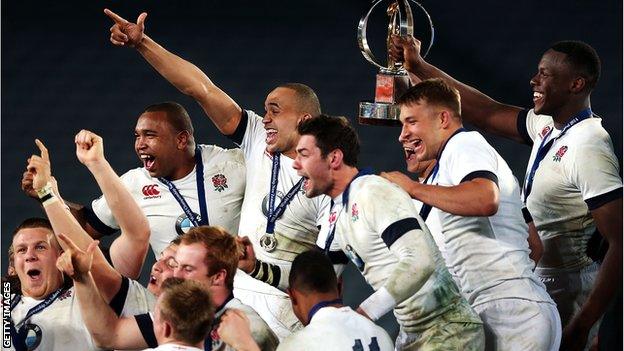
[392, 80]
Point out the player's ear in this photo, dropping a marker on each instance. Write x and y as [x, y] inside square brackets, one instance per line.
[183, 139]
[335, 158]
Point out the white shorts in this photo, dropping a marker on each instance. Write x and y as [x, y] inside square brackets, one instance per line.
[272, 304]
[516, 324]
[569, 290]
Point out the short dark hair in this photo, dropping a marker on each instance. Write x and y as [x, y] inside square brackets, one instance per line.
[307, 100]
[33, 222]
[312, 271]
[333, 133]
[176, 114]
[434, 92]
[178, 298]
[582, 57]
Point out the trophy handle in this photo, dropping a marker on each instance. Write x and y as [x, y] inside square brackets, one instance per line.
[406, 27]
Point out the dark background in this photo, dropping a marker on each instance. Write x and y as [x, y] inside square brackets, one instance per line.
[61, 74]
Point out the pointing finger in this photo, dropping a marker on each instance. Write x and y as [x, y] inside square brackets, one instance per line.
[115, 17]
[44, 150]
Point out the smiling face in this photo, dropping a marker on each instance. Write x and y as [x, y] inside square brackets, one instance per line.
[157, 145]
[422, 133]
[35, 258]
[313, 167]
[162, 269]
[280, 121]
[552, 83]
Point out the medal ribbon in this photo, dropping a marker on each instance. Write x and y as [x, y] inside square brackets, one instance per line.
[201, 193]
[19, 338]
[545, 147]
[345, 200]
[275, 213]
[426, 208]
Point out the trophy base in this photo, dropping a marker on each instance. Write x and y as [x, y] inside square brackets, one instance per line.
[379, 114]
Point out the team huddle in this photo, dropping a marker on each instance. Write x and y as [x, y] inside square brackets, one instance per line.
[251, 241]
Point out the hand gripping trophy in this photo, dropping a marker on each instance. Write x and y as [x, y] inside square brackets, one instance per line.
[392, 79]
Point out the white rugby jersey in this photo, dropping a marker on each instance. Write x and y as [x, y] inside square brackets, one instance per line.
[224, 184]
[579, 173]
[260, 331]
[435, 228]
[490, 255]
[338, 329]
[297, 229]
[60, 326]
[380, 231]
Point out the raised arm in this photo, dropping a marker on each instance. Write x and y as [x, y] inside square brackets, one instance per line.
[107, 279]
[107, 329]
[129, 249]
[477, 108]
[190, 80]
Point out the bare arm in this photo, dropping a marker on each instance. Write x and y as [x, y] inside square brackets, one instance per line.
[476, 197]
[130, 248]
[535, 244]
[108, 280]
[608, 218]
[477, 108]
[190, 80]
[107, 329]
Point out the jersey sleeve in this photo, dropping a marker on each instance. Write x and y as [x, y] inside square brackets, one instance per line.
[249, 132]
[595, 171]
[469, 156]
[531, 125]
[401, 230]
[100, 215]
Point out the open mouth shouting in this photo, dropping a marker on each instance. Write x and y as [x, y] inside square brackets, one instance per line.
[34, 275]
[148, 161]
[271, 136]
[413, 148]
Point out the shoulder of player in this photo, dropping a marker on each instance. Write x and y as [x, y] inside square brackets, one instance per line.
[213, 154]
[372, 188]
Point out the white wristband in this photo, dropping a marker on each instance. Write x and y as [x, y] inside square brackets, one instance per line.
[378, 304]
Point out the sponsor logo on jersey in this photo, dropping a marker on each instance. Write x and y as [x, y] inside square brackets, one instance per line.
[183, 224]
[562, 150]
[219, 181]
[545, 131]
[150, 191]
[355, 214]
[265, 202]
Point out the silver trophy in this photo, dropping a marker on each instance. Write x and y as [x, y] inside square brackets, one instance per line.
[392, 79]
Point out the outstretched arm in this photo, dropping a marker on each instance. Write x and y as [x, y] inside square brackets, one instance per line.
[107, 329]
[476, 197]
[129, 249]
[190, 80]
[477, 108]
[107, 279]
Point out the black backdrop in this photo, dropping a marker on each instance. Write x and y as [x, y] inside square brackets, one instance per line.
[60, 73]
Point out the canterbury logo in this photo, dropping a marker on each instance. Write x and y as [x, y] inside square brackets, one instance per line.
[150, 190]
